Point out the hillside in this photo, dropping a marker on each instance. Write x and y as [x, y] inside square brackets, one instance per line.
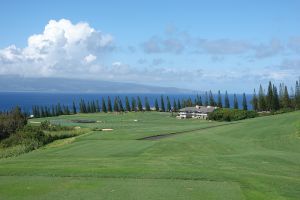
[64, 85]
[251, 159]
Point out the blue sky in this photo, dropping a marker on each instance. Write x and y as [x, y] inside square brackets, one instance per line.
[200, 45]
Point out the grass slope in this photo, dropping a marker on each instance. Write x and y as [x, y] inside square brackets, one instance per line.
[253, 159]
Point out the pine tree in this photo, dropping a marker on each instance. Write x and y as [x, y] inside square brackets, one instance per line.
[128, 109]
[206, 99]
[74, 108]
[162, 104]
[104, 109]
[88, 107]
[245, 105]
[133, 104]
[53, 113]
[286, 98]
[80, 106]
[121, 107]
[189, 102]
[227, 103]
[93, 107]
[140, 105]
[235, 102]
[200, 101]
[269, 98]
[183, 104]
[254, 101]
[261, 99]
[219, 100]
[147, 105]
[211, 99]
[156, 105]
[168, 104]
[297, 95]
[175, 108]
[109, 106]
[178, 105]
[60, 112]
[276, 99]
[97, 106]
[116, 105]
[281, 93]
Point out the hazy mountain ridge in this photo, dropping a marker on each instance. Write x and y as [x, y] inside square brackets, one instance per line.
[25, 84]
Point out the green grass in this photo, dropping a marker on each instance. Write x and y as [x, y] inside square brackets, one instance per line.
[252, 159]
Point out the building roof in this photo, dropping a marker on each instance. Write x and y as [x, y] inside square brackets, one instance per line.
[198, 109]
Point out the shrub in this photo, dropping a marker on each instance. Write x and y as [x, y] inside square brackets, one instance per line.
[226, 114]
[12, 121]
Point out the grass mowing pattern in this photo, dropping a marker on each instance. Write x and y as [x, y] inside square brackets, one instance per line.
[254, 159]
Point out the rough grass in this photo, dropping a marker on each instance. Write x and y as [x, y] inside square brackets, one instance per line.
[253, 159]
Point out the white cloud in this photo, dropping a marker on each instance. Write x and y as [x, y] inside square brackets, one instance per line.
[90, 58]
[62, 48]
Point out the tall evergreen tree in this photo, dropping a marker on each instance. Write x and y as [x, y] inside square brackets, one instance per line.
[198, 98]
[175, 108]
[183, 104]
[261, 99]
[235, 102]
[97, 106]
[74, 108]
[227, 103]
[179, 105]
[281, 94]
[245, 105]
[254, 101]
[147, 105]
[121, 107]
[168, 104]
[140, 105]
[269, 98]
[53, 113]
[297, 95]
[109, 106]
[162, 104]
[206, 99]
[104, 109]
[219, 100]
[116, 105]
[133, 104]
[189, 102]
[60, 112]
[200, 101]
[89, 110]
[276, 99]
[211, 99]
[156, 105]
[128, 109]
[286, 98]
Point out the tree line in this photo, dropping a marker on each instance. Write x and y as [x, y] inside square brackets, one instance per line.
[272, 100]
[134, 104]
[276, 99]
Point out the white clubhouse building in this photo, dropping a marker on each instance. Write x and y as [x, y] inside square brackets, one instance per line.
[197, 112]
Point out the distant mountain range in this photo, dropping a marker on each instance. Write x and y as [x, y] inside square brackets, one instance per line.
[64, 85]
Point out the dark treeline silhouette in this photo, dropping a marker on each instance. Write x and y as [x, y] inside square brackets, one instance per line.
[272, 100]
[275, 99]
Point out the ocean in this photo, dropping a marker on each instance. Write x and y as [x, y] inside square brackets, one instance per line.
[26, 100]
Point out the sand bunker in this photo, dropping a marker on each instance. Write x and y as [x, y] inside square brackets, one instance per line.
[107, 129]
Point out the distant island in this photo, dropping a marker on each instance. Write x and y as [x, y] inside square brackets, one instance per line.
[16, 83]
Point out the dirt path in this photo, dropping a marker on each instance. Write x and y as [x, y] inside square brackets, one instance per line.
[161, 136]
